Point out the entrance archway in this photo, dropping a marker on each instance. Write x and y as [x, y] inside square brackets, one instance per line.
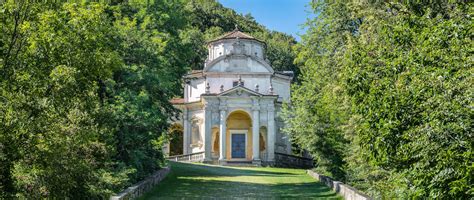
[239, 136]
[215, 142]
[176, 142]
[263, 138]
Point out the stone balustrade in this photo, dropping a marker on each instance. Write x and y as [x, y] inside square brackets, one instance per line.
[192, 157]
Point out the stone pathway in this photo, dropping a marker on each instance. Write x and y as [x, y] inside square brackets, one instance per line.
[198, 181]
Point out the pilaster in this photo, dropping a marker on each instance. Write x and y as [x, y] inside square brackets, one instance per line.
[207, 132]
[271, 132]
[256, 131]
[222, 130]
[186, 132]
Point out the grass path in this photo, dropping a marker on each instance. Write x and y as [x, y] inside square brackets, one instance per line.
[198, 181]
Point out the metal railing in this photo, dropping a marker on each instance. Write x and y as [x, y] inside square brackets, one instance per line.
[192, 157]
[286, 160]
[281, 159]
[263, 156]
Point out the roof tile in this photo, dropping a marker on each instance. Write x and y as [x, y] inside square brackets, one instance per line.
[236, 33]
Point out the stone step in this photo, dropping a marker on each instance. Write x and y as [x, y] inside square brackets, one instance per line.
[241, 164]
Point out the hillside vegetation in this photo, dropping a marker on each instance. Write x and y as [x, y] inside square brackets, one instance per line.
[385, 99]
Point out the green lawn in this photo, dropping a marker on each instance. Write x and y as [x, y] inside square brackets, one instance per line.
[199, 181]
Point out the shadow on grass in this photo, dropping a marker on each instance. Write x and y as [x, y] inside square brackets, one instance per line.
[211, 170]
[190, 181]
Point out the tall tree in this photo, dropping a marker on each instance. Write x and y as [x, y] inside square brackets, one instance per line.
[318, 115]
[84, 91]
[155, 50]
[52, 59]
[396, 80]
[410, 79]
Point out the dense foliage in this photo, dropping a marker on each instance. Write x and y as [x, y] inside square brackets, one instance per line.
[396, 82]
[85, 89]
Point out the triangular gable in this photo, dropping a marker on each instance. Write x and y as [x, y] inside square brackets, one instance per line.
[239, 90]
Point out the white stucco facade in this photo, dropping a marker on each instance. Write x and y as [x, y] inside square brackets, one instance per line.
[230, 108]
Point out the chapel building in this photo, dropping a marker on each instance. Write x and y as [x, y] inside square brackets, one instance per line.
[230, 108]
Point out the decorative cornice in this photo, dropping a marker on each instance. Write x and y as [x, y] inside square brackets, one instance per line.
[239, 89]
[228, 56]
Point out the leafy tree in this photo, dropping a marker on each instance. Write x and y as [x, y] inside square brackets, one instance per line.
[85, 90]
[137, 96]
[52, 59]
[319, 111]
[395, 80]
[411, 73]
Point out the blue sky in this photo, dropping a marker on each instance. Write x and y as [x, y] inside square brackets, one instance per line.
[280, 15]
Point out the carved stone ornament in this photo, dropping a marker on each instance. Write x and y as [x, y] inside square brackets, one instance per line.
[270, 90]
[239, 92]
[208, 88]
[196, 139]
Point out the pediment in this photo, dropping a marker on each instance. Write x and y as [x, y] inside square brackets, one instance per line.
[238, 63]
[240, 91]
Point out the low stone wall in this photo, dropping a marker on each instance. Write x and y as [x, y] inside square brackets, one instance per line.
[348, 192]
[142, 187]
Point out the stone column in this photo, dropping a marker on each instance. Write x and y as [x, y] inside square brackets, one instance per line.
[215, 122]
[186, 132]
[255, 131]
[222, 132]
[271, 132]
[207, 132]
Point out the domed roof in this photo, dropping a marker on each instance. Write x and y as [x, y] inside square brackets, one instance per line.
[235, 34]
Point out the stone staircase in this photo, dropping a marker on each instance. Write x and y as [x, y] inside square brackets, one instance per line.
[281, 160]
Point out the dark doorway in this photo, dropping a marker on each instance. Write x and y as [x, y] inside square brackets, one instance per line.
[176, 141]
